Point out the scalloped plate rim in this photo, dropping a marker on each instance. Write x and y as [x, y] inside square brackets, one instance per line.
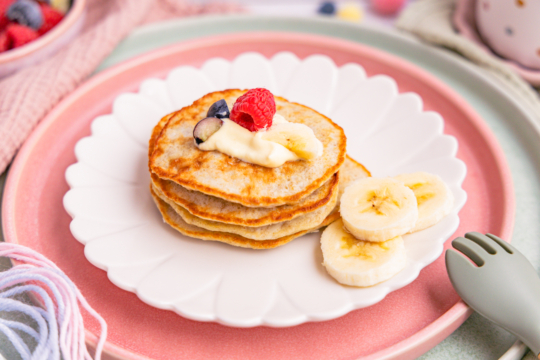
[351, 306]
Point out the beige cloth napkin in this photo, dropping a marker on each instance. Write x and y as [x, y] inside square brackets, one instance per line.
[27, 96]
[431, 20]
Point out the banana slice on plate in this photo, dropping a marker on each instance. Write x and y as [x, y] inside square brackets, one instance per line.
[360, 263]
[434, 198]
[375, 209]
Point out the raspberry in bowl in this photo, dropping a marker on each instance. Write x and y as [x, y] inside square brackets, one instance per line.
[31, 31]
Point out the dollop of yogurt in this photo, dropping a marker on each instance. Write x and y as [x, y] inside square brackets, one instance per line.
[283, 141]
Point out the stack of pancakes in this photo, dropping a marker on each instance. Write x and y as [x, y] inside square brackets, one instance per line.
[213, 196]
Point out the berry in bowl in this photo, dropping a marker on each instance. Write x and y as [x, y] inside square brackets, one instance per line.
[32, 30]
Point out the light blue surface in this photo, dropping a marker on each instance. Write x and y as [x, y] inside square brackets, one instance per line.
[477, 338]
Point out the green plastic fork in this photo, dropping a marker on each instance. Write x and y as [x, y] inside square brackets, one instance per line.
[500, 284]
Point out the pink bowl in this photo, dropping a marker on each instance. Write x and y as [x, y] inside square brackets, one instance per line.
[47, 45]
[465, 23]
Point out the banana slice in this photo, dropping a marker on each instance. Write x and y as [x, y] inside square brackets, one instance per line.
[360, 263]
[434, 198]
[297, 138]
[375, 209]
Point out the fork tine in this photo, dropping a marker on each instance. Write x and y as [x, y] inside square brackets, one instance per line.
[506, 246]
[471, 249]
[456, 259]
[482, 240]
[459, 270]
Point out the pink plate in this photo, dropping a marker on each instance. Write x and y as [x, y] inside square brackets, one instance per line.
[407, 323]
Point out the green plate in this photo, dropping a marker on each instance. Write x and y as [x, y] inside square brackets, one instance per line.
[511, 122]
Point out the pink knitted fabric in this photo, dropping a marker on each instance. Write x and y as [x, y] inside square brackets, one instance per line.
[27, 96]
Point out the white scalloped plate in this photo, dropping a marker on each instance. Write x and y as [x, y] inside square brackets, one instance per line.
[123, 233]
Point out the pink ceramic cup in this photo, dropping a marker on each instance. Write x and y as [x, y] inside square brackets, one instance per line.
[511, 28]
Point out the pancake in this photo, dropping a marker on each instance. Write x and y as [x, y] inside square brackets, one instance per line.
[175, 157]
[351, 171]
[215, 209]
[175, 220]
[268, 232]
[178, 197]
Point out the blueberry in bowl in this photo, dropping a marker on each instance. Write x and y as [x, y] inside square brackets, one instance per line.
[32, 31]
